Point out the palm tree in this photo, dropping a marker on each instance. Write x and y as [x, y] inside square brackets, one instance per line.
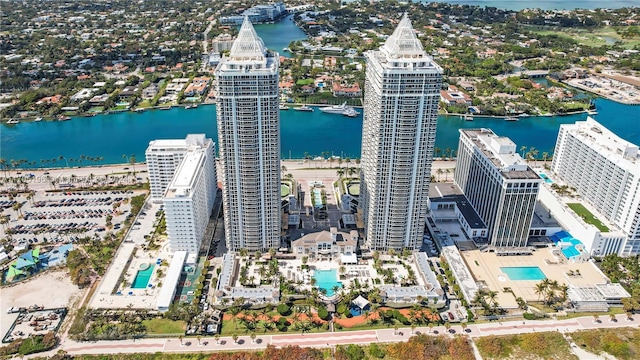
[253, 338]
[447, 172]
[180, 338]
[437, 151]
[431, 325]
[596, 318]
[464, 326]
[234, 311]
[523, 149]
[235, 338]
[340, 173]
[447, 325]
[439, 172]
[283, 169]
[217, 337]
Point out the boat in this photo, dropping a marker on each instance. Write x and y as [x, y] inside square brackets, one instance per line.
[165, 107]
[592, 112]
[511, 118]
[304, 108]
[350, 112]
[63, 118]
[38, 119]
[336, 109]
[13, 121]
[467, 118]
[190, 107]
[284, 107]
[139, 110]
[524, 115]
[286, 49]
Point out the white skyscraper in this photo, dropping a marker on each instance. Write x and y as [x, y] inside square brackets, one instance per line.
[499, 184]
[402, 91]
[249, 140]
[605, 171]
[164, 156]
[189, 199]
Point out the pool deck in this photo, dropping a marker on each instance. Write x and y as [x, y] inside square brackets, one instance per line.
[488, 270]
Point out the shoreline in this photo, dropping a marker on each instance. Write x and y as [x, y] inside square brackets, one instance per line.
[184, 107]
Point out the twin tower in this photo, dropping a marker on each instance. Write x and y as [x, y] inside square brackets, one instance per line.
[402, 91]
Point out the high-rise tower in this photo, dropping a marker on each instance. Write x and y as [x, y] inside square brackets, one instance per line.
[249, 142]
[402, 91]
[499, 184]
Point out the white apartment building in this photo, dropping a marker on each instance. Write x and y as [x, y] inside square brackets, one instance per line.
[402, 91]
[605, 171]
[499, 184]
[164, 156]
[189, 200]
[249, 139]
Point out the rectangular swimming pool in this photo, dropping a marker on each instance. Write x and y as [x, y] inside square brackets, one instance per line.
[142, 278]
[327, 279]
[523, 273]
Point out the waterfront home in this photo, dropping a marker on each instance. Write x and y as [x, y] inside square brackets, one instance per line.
[150, 91]
[198, 86]
[349, 90]
[453, 96]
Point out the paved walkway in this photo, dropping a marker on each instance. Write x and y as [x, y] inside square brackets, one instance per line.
[209, 344]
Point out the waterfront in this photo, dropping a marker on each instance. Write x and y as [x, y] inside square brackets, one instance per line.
[111, 136]
[278, 36]
[545, 4]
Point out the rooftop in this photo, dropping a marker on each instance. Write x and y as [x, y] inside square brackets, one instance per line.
[186, 174]
[248, 45]
[501, 151]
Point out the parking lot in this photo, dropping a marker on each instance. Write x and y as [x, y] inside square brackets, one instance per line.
[63, 216]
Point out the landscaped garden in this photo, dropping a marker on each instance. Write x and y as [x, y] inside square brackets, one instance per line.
[587, 216]
[284, 190]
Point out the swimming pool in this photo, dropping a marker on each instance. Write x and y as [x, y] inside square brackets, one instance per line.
[523, 273]
[317, 195]
[327, 279]
[546, 178]
[142, 278]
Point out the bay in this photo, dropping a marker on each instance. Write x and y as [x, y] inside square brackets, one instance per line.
[279, 35]
[112, 136]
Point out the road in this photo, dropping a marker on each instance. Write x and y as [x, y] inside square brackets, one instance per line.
[320, 340]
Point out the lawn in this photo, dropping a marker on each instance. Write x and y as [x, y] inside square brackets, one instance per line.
[164, 326]
[354, 189]
[595, 38]
[587, 216]
[284, 190]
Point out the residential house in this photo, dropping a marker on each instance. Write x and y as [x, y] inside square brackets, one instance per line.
[453, 96]
[150, 91]
[198, 86]
[352, 90]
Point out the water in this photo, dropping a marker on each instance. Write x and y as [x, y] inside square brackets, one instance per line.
[327, 279]
[545, 4]
[278, 36]
[523, 273]
[142, 278]
[311, 133]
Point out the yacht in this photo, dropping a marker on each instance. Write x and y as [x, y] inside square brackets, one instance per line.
[592, 112]
[191, 106]
[140, 110]
[511, 118]
[284, 107]
[13, 121]
[286, 49]
[524, 115]
[304, 108]
[336, 109]
[63, 118]
[350, 113]
[38, 119]
[467, 118]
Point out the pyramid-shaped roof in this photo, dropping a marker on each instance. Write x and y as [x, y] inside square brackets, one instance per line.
[248, 44]
[404, 42]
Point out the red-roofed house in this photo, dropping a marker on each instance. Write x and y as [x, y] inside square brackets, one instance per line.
[453, 96]
[346, 90]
